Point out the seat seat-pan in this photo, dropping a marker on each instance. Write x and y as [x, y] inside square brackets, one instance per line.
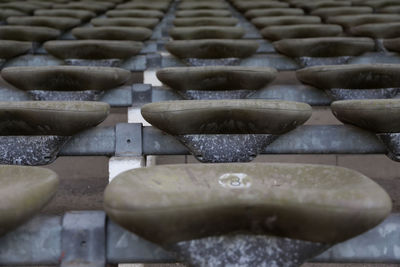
[10, 49]
[354, 76]
[60, 23]
[279, 32]
[325, 46]
[93, 49]
[28, 33]
[65, 78]
[216, 77]
[24, 191]
[226, 116]
[112, 33]
[62, 118]
[376, 115]
[308, 202]
[212, 48]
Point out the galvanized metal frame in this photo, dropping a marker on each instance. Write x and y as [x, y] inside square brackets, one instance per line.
[86, 238]
[135, 140]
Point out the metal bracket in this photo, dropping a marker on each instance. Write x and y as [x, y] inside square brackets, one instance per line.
[153, 61]
[128, 139]
[83, 239]
[141, 94]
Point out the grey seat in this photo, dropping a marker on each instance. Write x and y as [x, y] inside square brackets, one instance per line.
[265, 12]
[59, 23]
[348, 21]
[392, 44]
[112, 33]
[327, 12]
[202, 5]
[5, 13]
[205, 21]
[134, 22]
[226, 130]
[243, 6]
[24, 191]
[203, 13]
[93, 7]
[207, 208]
[212, 48]
[10, 49]
[83, 15]
[355, 81]
[380, 116]
[216, 82]
[135, 13]
[206, 32]
[377, 30]
[32, 132]
[93, 49]
[162, 6]
[28, 33]
[65, 78]
[279, 32]
[262, 22]
[324, 50]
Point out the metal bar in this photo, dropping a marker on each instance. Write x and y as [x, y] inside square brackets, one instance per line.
[99, 141]
[38, 242]
[307, 139]
[83, 241]
[128, 139]
[380, 244]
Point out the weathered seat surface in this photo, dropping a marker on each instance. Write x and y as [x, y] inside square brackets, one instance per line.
[265, 12]
[308, 202]
[202, 5]
[135, 13]
[390, 9]
[93, 49]
[93, 7]
[247, 5]
[135, 22]
[28, 33]
[24, 191]
[62, 118]
[83, 15]
[113, 33]
[19, 6]
[203, 13]
[212, 48]
[162, 6]
[392, 44]
[206, 32]
[349, 21]
[326, 12]
[60, 23]
[377, 30]
[357, 76]
[5, 13]
[216, 78]
[205, 21]
[325, 46]
[261, 22]
[65, 78]
[10, 49]
[226, 116]
[300, 31]
[376, 115]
